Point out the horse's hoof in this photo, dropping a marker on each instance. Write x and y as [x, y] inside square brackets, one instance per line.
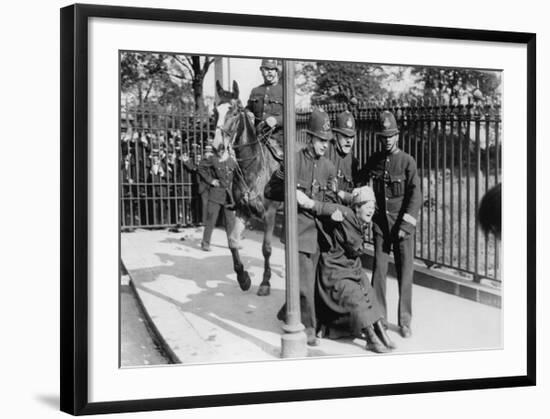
[264, 290]
[244, 281]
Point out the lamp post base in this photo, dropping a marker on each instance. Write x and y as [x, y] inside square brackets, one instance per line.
[293, 344]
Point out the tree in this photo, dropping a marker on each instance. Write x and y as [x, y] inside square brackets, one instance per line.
[351, 80]
[141, 75]
[165, 79]
[457, 85]
[194, 68]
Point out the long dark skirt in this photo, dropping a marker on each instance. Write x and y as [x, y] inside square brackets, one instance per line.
[345, 299]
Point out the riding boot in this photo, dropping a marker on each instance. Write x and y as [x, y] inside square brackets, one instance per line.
[373, 343]
[312, 339]
[276, 148]
[380, 331]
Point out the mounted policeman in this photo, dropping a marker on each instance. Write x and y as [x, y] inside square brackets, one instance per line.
[266, 104]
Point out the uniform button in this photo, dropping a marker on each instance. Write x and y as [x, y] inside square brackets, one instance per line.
[387, 198]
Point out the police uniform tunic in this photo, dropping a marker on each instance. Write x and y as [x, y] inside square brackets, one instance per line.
[265, 101]
[346, 167]
[203, 187]
[396, 185]
[345, 294]
[219, 196]
[316, 178]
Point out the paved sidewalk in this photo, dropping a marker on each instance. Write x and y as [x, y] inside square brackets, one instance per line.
[193, 299]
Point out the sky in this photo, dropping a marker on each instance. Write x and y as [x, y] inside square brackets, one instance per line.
[245, 71]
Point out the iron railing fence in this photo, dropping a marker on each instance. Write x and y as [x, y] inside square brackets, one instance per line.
[457, 149]
[458, 154]
[157, 190]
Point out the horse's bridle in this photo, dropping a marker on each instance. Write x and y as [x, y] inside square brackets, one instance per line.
[233, 136]
[250, 194]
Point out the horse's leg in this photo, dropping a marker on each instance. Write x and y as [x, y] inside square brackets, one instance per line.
[269, 225]
[234, 228]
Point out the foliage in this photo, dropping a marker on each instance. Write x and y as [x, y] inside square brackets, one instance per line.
[336, 81]
[345, 80]
[164, 79]
[193, 68]
[456, 85]
[141, 75]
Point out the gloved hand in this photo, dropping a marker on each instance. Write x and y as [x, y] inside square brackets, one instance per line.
[271, 121]
[337, 216]
[303, 200]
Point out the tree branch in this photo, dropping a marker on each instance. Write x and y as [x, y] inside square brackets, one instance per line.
[184, 64]
[178, 76]
[190, 61]
[207, 63]
[149, 90]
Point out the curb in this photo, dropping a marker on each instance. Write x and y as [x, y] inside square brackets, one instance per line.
[157, 336]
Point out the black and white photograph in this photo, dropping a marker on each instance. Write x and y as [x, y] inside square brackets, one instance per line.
[396, 183]
[252, 209]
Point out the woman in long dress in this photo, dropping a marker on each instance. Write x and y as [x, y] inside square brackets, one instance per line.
[344, 294]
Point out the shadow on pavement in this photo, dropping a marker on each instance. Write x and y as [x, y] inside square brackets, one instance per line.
[205, 285]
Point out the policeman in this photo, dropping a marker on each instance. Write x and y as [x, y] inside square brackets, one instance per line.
[217, 172]
[316, 178]
[340, 154]
[266, 103]
[203, 185]
[396, 184]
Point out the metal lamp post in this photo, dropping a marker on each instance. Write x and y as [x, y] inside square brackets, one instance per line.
[293, 341]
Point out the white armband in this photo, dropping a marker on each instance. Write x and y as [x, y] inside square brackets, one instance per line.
[409, 219]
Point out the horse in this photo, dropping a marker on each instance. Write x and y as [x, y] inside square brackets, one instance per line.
[235, 130]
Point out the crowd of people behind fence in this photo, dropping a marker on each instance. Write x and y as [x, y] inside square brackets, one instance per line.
[159, 177]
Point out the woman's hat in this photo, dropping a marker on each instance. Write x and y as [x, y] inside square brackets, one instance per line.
[361, 195]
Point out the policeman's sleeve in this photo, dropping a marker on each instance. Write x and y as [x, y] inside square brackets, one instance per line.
[331, 194]
[204, 170]
[275, 188]
[413, 198]
[279, 119]
[189, 165]
[279, 106]
[325, 209]
[363, 175]
[250, 102]
[354, 171]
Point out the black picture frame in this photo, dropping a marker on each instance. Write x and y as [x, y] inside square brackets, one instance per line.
[74, 208]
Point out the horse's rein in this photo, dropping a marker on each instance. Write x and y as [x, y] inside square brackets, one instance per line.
[248, 191]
